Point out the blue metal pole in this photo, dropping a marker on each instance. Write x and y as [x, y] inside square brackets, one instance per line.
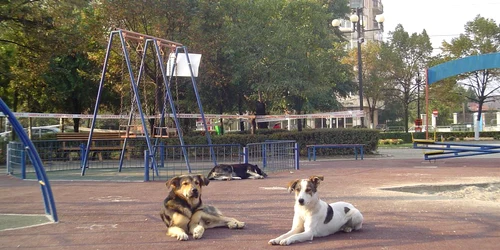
[245, 155]
[146, 165]
[166, 82]
[82, 155]
[96, 108]
[9, 159]
[129, 122]
[162, 155]
[264, 160]
[136, 94]
[195, 88]
[297, 156]
[23, 165]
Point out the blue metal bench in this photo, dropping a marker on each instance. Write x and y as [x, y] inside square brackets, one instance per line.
[311, 149]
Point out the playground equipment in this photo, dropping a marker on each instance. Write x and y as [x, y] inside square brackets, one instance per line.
[160, 47]
[48, 199]
[456, 67]
[441, 150]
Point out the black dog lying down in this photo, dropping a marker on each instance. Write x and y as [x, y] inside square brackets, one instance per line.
[236, 172]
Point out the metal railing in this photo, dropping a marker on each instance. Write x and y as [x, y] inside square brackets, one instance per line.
[64, 160]
[273, 156]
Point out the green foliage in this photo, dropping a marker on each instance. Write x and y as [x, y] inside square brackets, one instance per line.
[368, 137]
[390, 141]
[446, 136]
[481, 36]
[406, 56]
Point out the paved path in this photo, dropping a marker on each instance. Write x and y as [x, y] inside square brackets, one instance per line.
[110, 215]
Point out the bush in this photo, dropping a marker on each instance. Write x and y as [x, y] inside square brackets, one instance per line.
[390, 141]
[368, 137]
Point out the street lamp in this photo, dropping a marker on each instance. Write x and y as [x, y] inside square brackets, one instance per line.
[358, 27]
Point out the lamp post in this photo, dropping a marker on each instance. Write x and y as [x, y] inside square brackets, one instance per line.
[358, 27]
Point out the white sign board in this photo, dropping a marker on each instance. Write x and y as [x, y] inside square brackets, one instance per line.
[182, 67]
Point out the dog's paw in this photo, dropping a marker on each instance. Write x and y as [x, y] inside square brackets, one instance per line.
[182, 236]
[347, 229]
[198, 232]
[273, 242]
[235, 224]
[285, 242]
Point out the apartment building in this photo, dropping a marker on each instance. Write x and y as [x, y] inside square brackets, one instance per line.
[368, 10]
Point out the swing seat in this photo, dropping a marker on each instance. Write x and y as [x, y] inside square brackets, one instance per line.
[164, 132]
[131, 131]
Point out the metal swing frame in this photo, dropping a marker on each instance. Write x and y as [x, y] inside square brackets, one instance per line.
[157, 44]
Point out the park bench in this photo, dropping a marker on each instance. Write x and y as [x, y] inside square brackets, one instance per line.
[311, 149]
[136, 131]
[101, 142]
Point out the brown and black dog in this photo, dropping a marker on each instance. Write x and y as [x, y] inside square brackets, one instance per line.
[183, 210]
[236, 172]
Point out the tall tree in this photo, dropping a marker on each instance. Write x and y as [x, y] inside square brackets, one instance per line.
[37, 31]
[285, 51]
[407, 56]
[375, 76]
[481, 36]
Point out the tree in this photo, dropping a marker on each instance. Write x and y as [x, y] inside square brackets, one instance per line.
[285, 53]
[34, 32]
[375, 75]
[481, 36]
[72, 85]
[447, 96]
[407, 58]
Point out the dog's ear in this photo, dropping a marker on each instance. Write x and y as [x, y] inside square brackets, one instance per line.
[203, 180]
[292, 185]
[174, 182]
[316, 179]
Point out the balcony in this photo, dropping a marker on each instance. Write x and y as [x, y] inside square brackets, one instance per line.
[377, 7]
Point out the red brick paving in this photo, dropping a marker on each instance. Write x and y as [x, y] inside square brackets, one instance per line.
[107, 215]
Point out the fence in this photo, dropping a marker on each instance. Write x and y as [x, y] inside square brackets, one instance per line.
[273, 155]
[60, 163]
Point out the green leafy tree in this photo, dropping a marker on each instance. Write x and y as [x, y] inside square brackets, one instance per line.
[481, 36]
[72, 85]
[37, 31]
[376, 75]
[287, 55]
[407, 56]
[446, 96]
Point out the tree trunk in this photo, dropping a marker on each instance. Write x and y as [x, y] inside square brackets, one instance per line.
[76, 124]
[372, 116]
[478, 120]
[260, 109]
[240, 111]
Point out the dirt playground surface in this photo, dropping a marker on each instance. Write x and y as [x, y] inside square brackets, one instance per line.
[124, 215]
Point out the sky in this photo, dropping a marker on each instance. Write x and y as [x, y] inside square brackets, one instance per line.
[442, 19]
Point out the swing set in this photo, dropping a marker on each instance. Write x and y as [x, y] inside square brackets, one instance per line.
[170, 57]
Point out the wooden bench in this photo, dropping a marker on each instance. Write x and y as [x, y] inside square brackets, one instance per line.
[68, 147]
[311, 149]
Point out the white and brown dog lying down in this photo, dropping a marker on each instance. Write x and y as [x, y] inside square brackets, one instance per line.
[184, 212]
[314, 217]
[236, 172]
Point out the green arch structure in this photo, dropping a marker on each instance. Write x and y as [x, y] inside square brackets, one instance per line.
[463, 65]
